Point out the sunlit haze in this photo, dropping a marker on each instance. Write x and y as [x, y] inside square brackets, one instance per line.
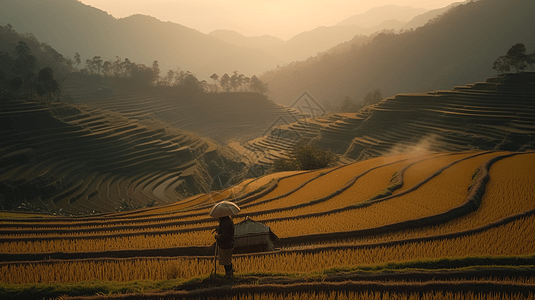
[280, 18]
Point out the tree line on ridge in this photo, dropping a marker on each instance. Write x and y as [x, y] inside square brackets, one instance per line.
[32, 70]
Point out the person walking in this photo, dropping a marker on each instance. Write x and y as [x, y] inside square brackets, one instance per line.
[225, 234]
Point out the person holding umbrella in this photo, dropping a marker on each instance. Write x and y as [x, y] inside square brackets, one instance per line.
[225, 234]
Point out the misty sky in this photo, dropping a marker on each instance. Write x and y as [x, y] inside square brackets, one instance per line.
[280, 18]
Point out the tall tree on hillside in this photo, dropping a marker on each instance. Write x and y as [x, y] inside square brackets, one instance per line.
[144, 75]
[258, 86]
[97, 64]
[204, 86]
[24, 65]
[5, 67]
[117, 66]
[501, 65]
[518, 57]
[47, 85]
[51, 58]
[180, 76]
[234, 80]
[372, 97]
[225, 82]
[191, 84]
[88, 69]
[77, 59]
[127, 68]
[214, 77]
[241, 80]
[69, 63]
[107, 68]
[245, 82]
[6, 62]
[156, 71]
[169, 78]
[531, 60]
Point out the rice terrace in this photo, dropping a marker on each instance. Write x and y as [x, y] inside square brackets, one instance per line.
[111, 171]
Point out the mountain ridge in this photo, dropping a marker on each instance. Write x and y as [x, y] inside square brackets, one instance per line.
[71, 26]
[309, 43]
[458, 47]
[420, 20]
[376, 15]
[239, 39]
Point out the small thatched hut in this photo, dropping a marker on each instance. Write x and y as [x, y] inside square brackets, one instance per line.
[253, 236]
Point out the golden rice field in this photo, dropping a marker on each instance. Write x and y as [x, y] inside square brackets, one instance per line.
[344, 233]
[323, 186]
[506, 240]
[367, 295]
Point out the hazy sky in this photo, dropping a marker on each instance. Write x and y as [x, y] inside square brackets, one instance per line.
[281, 18]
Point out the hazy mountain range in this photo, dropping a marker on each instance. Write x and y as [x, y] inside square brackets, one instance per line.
[423, 18]
[71, 26]
[377, 15]
[322, 38]
[458, 47]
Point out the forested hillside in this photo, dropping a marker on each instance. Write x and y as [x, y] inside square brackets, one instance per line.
[458, 47]
[22, 58]
[68, 159]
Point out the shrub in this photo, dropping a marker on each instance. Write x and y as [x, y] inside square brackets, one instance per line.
[305, 157]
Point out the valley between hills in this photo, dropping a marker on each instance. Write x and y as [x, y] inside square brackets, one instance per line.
[108, 175]
[433, 194]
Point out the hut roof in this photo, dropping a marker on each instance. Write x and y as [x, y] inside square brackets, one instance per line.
[251, 227]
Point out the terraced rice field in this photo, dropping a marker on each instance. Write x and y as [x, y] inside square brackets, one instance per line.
[409, 226]
[80, 160]
[495, 114]
[221, 116]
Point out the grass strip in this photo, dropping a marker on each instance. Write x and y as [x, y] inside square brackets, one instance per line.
[415, 272]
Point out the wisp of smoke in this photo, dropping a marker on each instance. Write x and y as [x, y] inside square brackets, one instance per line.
[421, 148]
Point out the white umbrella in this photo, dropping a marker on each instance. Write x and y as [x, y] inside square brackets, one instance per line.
[223, 209]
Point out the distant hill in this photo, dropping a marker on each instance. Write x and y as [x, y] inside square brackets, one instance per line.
[309, 43]
[238, 39]
[299, 47]
[377, 15]
[459, 47]
[305, 44]
[71, 26]
[421, 20]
